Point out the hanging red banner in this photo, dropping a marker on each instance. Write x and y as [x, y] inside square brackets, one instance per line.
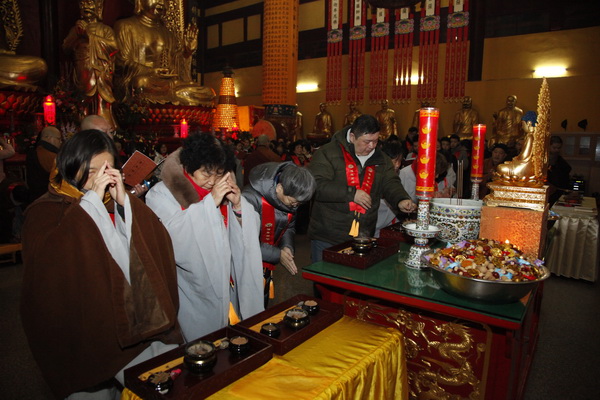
[333, 91]
[403, 50]
[429, 38]
[356, 53]
[428, 127]
[456, 50]
[380, 32]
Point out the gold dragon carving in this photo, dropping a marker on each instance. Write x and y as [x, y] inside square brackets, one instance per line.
[453, 365]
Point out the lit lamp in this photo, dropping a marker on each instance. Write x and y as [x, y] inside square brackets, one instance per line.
[226, 115]
[183, 129]
[425, 188]
[49, 110]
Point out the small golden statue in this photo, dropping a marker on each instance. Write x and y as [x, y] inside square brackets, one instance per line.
[154, 62]
[530, 166]
[465, 118]
[387, 121]
[507, 123]
[323, 122]
[520, 182]
[93, 47]
[353, 113]
[17, 71]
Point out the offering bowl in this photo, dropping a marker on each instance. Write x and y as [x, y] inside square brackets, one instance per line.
[200, 356]
[296, 318]
[362, 245]
[239, 345]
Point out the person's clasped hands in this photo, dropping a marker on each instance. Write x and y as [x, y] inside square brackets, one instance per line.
[111, 178]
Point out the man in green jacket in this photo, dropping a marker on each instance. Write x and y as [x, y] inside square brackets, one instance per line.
[352, 175]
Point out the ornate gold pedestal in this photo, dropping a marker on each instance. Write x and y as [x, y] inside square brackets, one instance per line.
[517, 196]
[524, 228]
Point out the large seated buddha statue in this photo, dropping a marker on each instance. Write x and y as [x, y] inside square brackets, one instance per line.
[16, 71]
[153, 63]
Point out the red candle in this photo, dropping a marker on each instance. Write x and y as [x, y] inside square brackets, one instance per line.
[478, 153]
[49, 111]
[183, 129]
[428, 127]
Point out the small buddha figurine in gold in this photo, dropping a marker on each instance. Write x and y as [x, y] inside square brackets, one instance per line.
[387, 121]
[507, 125]
[16, 71]
[323, 122]
[93, 46]
[465, 118]
[153, 61]
[529, 167]
[353, 113]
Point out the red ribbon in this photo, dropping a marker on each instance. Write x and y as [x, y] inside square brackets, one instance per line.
[267, 228]
[353, 179]
[203, 193]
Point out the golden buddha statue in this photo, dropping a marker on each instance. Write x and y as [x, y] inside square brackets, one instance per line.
[323, 122]
[154, 62]
[529, 167]
[387, 121]
[16, 71]
[93, 46]
[464, 119]
[353, 113]
[507, 125]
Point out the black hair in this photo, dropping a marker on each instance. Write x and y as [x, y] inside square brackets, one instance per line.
[445, 139]
[297, 182]
[365, 124]
[413, 129]
[455, 136]
[555, 139]
[74, 157]
[500, 146]
[393, 149]
[204, 150]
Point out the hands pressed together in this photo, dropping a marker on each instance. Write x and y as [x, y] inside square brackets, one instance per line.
[111, 178]
[226, 188]
[287, 260]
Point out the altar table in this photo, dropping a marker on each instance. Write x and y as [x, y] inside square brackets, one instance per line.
[574, 250]
[350, 359]
[455, 347]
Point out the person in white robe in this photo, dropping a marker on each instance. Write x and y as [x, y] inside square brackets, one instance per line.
[215, 235]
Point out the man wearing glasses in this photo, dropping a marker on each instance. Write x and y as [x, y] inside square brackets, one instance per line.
[41, 160]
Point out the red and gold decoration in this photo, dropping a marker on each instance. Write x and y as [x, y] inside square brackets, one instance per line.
[403, 50]
[457, 38]
[380, 32]
[49, 111]
[358, 32]
[226, 116]
[428, 127]
[477, 156]
[429, 39]
[333, 91]
[280, 51]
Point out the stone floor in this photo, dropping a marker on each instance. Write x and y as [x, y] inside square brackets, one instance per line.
[564, 367]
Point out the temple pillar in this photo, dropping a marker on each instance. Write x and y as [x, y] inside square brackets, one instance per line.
[280, 64]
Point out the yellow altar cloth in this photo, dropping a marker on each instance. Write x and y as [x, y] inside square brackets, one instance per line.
[351, 359]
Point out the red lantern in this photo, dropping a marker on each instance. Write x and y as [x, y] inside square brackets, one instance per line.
[183, 129]
[49, 111]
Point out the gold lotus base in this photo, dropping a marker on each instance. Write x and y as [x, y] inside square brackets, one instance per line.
[533, 198]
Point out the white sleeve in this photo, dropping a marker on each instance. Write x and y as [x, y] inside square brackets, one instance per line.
[116, 236]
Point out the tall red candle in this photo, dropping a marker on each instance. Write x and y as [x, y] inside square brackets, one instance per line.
[183, 127]
[428, 127]
[478, 153]
[49, 110]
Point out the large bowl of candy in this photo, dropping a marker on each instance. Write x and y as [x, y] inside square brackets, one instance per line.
[486, 270]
